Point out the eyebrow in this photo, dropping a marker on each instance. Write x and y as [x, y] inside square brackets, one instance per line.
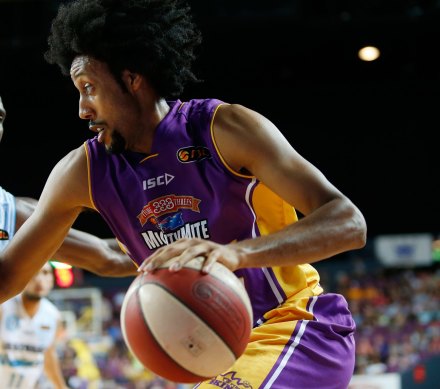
[77, 75]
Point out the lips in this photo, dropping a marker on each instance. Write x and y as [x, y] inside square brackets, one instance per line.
[101, 135]
[99, 129]
[95, 127]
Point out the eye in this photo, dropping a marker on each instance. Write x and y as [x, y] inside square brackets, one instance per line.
[88, 88]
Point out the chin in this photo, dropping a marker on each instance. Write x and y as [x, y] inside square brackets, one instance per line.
[117, 145]
[34, 296]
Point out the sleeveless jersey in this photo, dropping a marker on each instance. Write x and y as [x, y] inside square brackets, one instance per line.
[7, 218]
[184, 188]
[23, 341]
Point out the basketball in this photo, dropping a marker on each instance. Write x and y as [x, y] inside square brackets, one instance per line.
[187, 326]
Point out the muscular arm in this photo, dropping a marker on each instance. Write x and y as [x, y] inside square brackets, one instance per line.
[331, 224]
[64, 197]
[81, 249]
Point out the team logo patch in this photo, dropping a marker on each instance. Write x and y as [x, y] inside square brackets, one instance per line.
[4, 235]
[12, 322]
[167, 204]
[171, 223]
[193, 154]
[174, 231]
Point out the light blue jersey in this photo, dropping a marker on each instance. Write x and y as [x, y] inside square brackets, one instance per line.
[7, 218]
[23, 342]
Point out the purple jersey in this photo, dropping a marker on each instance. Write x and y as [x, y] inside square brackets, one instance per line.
[185, 189]
[302, 337]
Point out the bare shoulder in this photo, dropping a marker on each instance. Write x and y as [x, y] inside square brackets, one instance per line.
[74, 161]
[71, 169]
[236, 125]
[237, 116]
[69, 178]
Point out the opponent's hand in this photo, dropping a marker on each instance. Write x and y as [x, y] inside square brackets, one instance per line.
[182, 251]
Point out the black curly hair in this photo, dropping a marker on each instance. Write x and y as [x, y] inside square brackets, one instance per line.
[155, 38]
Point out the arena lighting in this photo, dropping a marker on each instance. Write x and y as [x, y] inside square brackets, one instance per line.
[60, 265]
[63, 273]
[369, 53]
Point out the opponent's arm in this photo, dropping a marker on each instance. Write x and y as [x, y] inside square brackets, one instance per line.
[332, 224]
[100, 256]
[52, 367]
[81, 249]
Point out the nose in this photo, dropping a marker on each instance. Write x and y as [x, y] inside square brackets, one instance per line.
[85, 111]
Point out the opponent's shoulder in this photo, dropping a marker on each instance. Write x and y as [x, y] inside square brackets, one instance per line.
[48, 307]
[12, 304]
[4, 194]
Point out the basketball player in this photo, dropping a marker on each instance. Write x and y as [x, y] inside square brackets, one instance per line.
[177, 179]
[100, 256]
[29, 328]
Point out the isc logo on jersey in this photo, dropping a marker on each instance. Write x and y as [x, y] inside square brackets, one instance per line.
[163, 179]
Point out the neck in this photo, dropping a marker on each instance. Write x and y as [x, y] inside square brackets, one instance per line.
[154, 113]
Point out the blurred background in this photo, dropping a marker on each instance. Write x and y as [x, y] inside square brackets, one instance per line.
[371, 126]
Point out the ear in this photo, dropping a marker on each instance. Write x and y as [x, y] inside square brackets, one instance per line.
[133, 81]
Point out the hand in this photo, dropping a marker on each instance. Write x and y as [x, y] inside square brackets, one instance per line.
[182, 251]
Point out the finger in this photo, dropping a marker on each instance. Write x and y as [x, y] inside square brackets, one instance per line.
[188, 255]
[209, 261]
[163, 256]
[143, 265]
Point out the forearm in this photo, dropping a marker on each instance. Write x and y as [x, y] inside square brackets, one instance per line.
[331, 229]
[52, 369]
[336, 227]
[100, 256]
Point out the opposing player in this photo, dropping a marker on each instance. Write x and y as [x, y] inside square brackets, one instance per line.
[29, 328]
[100, 256]
[177, 179]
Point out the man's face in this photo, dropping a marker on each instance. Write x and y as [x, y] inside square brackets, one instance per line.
[110, 110]
[41, 284]
[2, 117]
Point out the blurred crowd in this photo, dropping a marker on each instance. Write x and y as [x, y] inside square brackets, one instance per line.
[397, 314]
[103, 361]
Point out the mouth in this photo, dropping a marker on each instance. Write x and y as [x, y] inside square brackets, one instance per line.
[98, 128]
[95, 127]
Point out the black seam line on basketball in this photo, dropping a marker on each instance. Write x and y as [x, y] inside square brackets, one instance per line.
[202, 378]
[183, 303]
[237, 295]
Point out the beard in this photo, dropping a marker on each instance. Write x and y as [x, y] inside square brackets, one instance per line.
[32, 296]
[117, 144]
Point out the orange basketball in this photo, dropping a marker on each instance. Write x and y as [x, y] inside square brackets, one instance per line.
[187, 326]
